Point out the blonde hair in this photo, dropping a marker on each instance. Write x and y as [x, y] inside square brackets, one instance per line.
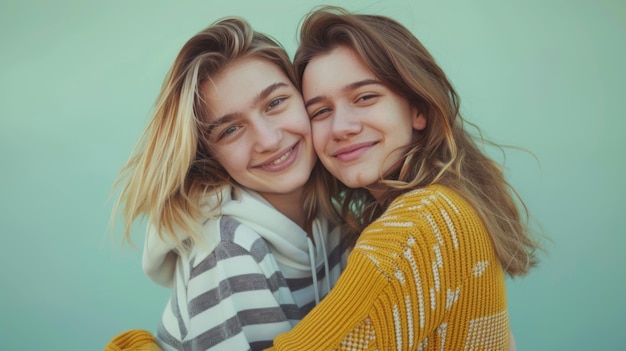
[172, 167]
[445, 152]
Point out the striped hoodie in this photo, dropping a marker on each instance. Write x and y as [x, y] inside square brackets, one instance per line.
[249, 280]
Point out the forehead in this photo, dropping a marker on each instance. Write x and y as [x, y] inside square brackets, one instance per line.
[243, 73]
[336, 68]
[237, 85]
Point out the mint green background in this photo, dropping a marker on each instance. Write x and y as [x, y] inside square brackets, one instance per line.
[78, 78]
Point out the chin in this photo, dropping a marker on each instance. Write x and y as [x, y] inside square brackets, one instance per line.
[293, 184]
[360, 179]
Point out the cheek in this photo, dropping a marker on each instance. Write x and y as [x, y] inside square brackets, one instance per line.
[319, 136]
[232, 158]
[299, 119]
[224, 162]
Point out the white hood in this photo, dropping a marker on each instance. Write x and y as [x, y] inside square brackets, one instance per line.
[293, 250]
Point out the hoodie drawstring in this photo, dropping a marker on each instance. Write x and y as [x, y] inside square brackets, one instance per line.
[319, 240]
[313, 270]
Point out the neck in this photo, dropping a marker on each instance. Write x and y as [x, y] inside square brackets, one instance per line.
[291, 206]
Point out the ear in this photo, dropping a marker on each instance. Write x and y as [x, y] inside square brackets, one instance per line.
[419, 121]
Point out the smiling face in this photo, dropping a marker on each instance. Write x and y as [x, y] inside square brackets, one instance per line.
[360, 127]
[259, 128]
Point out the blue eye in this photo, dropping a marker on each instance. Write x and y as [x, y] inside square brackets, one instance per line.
[228, 131]
[275, 102]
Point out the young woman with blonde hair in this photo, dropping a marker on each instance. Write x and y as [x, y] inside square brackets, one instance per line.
[227, 177]
[440, 224]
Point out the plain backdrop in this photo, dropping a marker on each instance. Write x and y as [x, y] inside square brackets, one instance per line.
[78, 80]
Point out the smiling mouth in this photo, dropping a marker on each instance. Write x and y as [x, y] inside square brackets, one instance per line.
[281, 159]
[353, 152]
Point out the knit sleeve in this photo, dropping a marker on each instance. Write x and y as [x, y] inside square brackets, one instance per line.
[446, 289]
[133, 340]
[232, 301]
[344, 309]
[423, 276]
[419, 257]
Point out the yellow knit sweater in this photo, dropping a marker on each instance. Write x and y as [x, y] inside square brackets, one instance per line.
[424, 276]
[133, 340]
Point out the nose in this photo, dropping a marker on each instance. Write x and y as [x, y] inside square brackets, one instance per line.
[346, 123]
[267, 136]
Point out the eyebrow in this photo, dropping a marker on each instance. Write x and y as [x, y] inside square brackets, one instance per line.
[349, 87]
[267, 91]
[259, 98]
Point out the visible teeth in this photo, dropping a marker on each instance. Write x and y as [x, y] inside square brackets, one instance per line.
[282, 158]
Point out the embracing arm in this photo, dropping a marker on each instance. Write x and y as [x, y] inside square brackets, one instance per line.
[344, 309]
[424, 272]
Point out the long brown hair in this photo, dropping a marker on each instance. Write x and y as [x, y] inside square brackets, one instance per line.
[444, 153]
[172, 167]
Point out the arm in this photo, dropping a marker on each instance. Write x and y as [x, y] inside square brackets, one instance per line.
[405, 278]
[375, 293]
[345, 308]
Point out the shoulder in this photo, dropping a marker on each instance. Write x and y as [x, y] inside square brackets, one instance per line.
[434, 206]
[430, 198]
[226, 237]
[237, 251]
[234, 231]
[426, 222]
[426, 204]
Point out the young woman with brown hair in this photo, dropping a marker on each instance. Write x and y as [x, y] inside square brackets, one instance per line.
[440, 224]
